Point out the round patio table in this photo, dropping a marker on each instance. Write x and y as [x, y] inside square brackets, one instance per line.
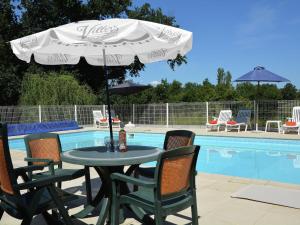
[105, 163]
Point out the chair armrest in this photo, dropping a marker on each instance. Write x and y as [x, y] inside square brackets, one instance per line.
[30, 168]
[48, 162]
[22, 171]
[132, 180]
[41, 182]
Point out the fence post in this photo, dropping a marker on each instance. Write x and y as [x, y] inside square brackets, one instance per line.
[257, 119]
[104, 113]
[255, 116]
[75, 112]
[133, 114]
[167, 114]
[40, 113]
[206, 112]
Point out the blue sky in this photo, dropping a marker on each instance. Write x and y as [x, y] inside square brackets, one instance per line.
[233, 34]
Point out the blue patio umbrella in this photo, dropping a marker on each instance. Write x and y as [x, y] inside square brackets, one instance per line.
[260, 74]
[127, 88]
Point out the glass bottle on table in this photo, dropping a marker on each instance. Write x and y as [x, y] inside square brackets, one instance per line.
[122, 140]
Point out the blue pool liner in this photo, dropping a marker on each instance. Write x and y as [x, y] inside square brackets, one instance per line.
[33, 128]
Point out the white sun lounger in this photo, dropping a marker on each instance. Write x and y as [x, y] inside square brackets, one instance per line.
[295, 118]
[242, 119]
[99, 120]
[223, 118]
[116, 122]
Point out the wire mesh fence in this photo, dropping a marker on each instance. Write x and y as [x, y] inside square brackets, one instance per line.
[19, 114]
[57, 113]
[166, 114]
[187, 113]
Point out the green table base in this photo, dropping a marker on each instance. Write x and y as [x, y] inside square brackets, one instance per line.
[105, 163]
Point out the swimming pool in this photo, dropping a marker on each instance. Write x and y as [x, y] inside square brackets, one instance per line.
[267, 159]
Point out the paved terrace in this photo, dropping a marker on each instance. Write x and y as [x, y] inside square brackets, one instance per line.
[215, 206]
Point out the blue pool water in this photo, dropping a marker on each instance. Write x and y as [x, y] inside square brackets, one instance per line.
[267, 159]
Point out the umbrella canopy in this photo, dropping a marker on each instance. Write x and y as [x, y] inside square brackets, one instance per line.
[260, 74]
[128, 88]
[112, 42]
[122, 40]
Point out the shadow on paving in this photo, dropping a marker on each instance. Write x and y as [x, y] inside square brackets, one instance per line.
[95, 186]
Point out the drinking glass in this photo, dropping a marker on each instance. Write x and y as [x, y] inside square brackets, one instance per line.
[107, 143]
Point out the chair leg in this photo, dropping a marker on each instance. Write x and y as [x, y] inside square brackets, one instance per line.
[115, 211]
[194, 209]
[136, 175]
[88, 185]
[26, 221]
[60, 206]
[1, 213]
[103, 212]
[194, 214]
[159, 219]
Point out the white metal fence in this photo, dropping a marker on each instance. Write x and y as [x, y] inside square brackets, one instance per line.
[168, 114]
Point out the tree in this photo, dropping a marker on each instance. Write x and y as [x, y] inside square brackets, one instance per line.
[9, 87]
[269, 92]
[289, 92]
[54, 89]
[9, 72]
[220, 76]
[191, 92]
[228, 78]
[175, 91]
[246, 91]
[207, 91]
[38, 15]
[224, 88]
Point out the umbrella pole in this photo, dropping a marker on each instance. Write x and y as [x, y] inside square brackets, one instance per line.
[256, 102]
[108, 101]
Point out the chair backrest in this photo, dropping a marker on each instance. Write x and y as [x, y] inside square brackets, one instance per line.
[175, 171]
[112, 113]
[243, 116]
[224, 116]
[97, 115]
[178, 138]
[43, 145]
[7, 177]
[296, 114]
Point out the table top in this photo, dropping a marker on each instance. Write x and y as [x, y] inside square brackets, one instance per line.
[98, 156]
[273, 121]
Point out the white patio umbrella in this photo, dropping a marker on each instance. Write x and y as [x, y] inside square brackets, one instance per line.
[112, 42]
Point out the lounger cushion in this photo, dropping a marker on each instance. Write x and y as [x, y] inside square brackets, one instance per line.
[290, 123]
[213, 122]
[231, 122]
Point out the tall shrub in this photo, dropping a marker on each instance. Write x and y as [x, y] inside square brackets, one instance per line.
[54, 89]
